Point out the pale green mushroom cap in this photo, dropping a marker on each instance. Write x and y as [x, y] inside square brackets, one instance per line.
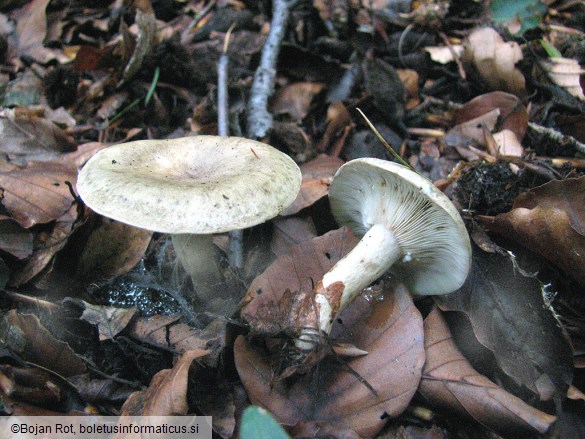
[435, 251]
[194, 185]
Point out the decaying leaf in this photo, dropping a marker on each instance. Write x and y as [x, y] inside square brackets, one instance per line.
[26, 136]
[444, 54]
[549, 220]
[26, 336]
[145, 39]
[317, 176]
[47, 244]
[295, 99]
[450, 382]
[167, 393]
[113, 248]
[31, 30]
[167, 332]
[38, 192]
[109, 319]
[495, 61]
[509, 317]
[15, 240]
[512, 115]
[356, 394]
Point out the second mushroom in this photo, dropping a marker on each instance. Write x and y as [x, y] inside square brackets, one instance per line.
[408, 226]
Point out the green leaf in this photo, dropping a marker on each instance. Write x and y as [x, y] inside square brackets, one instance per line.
[257, 423]
[551, 50]
[526, 13]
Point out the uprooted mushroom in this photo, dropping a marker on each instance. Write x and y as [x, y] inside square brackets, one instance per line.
[408, 226]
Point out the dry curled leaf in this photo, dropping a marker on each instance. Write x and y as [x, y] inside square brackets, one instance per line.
[451, 383]
[495, 61]
[31, 31]
[167, 393]
[168, 332]
[360, 393]
[109, 319]
[549, 220]
[145, 39]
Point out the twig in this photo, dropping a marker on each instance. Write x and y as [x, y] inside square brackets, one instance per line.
[259, 119]
[236, 237]
[186, 33]
[557, 137]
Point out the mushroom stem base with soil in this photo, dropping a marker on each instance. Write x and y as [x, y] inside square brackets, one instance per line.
[368, 260]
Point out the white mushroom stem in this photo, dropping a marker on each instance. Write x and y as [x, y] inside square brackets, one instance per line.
[200, 258]
[368, 260]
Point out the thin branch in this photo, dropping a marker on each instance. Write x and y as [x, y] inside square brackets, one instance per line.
[236, 237]
[259, 119]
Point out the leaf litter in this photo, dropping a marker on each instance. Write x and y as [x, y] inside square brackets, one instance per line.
[93, 309]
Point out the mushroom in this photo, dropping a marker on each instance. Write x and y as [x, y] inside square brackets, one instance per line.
[408, 226]
[191, 187]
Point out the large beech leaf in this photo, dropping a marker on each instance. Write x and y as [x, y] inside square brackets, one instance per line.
[167, 393]
[268, 298]
[390, 330]
[450, 382]
[509, 317]
[549, 220]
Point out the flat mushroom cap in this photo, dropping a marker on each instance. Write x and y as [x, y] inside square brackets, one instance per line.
[435, 252]
[195, 185]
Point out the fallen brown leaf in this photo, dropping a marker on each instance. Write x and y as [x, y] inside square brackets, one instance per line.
[167, 332]
[512, 113]
[317, 176]
[26, 136]
[390, 330]
[109, 319]
[549, 220]
[26, 335]
[267, 304]
[37, 193]
[15, 240]
[295, 99]
[451, 383]
[290, 231]
[31, 30]
[112, 248]
[495, 60]
[167, 393]
[46, 245]
[509, 317]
